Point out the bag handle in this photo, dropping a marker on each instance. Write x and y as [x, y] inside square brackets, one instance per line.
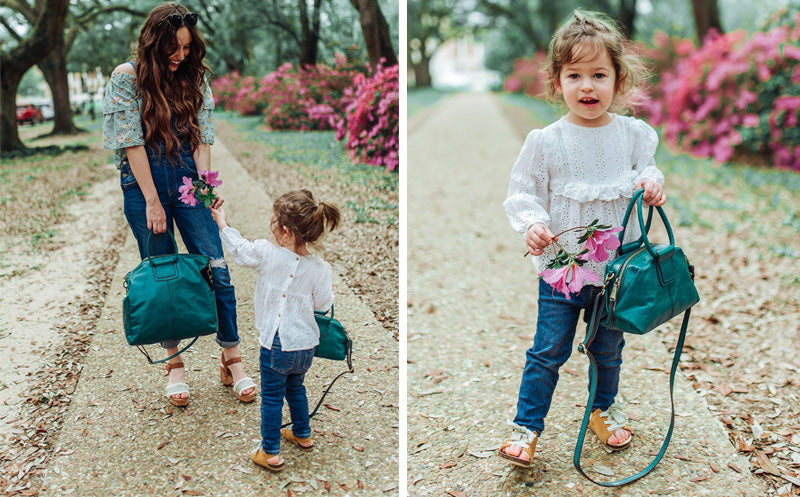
[644, 227]
[151, 361]
[583, 348]
[171, 236]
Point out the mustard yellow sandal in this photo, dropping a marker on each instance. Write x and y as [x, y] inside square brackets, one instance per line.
[521, 437]
[261, 458]
[605, 423]
[288, 434]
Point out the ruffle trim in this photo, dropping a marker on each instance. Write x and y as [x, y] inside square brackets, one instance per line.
[589, 192]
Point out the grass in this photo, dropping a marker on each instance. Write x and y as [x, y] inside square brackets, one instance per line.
[423, 99]
[317, 155]
[38, 184]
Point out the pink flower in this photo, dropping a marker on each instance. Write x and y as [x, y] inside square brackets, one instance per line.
[210, 177]
[557, 278]
[187, 192]
[600, 242]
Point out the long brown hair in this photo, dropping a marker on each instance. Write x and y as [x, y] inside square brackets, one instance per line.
[306, 218]
[168, 95]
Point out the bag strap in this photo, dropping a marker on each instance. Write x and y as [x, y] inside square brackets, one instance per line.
[349, 358]
[147, 245]
[151, 361]
[583, 348]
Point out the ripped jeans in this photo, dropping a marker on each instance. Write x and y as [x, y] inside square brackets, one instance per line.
[198, 231]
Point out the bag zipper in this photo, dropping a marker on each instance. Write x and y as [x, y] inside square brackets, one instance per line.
[615, 291]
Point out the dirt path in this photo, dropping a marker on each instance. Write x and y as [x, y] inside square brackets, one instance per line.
[471, 317]
[113, 432]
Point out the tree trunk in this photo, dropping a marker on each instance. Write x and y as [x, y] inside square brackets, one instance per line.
[47, 30]
[422, 71]
[627, 18]
[706, 16]
[376, 33]
[54, 69]
[309, 35]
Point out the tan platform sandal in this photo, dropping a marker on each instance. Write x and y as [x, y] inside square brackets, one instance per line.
[226, 377]
[605, 423]
[523, 438]
[261, 458]
[289, 435]
[177, 388]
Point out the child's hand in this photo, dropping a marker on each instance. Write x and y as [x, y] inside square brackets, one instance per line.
[653, 192]
[219, 217]
[539, 236]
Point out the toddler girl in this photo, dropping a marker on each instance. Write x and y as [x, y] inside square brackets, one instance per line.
[292, 283]
[583, 167]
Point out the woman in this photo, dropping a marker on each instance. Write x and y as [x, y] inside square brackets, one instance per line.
[158, 119]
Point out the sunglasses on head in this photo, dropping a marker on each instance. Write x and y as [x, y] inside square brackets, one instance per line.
[175, 20]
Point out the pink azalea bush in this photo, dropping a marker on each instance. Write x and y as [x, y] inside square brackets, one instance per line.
[735, 93]
[361, 105]
[371, 126]
[565, 274]
[527, 77]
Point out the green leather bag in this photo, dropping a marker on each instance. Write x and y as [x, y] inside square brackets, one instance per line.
[169, 297]
[645, 285]
[334, 343]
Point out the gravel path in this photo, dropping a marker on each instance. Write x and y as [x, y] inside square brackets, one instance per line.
[471, 317]
[122, 437]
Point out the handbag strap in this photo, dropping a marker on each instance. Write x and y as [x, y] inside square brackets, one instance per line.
[349, 358]
[594, 324]
[171, 236]
[151, 361]
[644, 227]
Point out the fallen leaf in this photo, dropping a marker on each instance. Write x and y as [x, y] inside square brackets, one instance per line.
[697, 479]
[714, 467]
[603, 470]
[766, 464]
[448, 464]
[734, 467]
[359, 448]
[162, 444]
[332, 407]
[456, 494]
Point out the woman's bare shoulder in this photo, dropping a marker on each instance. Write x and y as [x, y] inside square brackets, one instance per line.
[125, 67]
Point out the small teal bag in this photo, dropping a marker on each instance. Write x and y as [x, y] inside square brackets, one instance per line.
[169, 297]
[645, 285]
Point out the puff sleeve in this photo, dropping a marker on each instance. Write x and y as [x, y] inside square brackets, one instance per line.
[122, 119]
[645, 142]
[205, 118]
[527, 201]
[322, 294]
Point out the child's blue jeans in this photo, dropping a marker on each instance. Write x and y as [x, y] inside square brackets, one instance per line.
[282, 375]
[552, 345]
[198, 230]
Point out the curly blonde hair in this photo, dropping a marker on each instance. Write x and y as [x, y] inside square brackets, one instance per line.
[583, 37]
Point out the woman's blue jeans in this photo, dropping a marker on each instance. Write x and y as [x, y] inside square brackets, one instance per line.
[198, 231]
[282, 375]
[552, 345]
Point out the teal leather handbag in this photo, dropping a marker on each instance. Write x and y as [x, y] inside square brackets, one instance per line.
[645, 285]
[169, 297]
[334, 344]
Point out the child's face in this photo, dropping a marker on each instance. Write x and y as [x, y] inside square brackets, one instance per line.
[588, 88]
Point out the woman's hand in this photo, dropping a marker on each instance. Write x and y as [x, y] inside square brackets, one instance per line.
[539, 236]
[653, 192]
[156, 217]
[217, 203]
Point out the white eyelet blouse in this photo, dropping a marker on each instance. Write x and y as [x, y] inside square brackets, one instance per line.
[289, 288]
[568, 175]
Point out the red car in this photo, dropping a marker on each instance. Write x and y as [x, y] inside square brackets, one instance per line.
[29, 114]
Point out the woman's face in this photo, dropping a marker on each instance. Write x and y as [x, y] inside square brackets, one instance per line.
[184, 39]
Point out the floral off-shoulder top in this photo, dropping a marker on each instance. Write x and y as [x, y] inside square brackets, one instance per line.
[122, 116]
